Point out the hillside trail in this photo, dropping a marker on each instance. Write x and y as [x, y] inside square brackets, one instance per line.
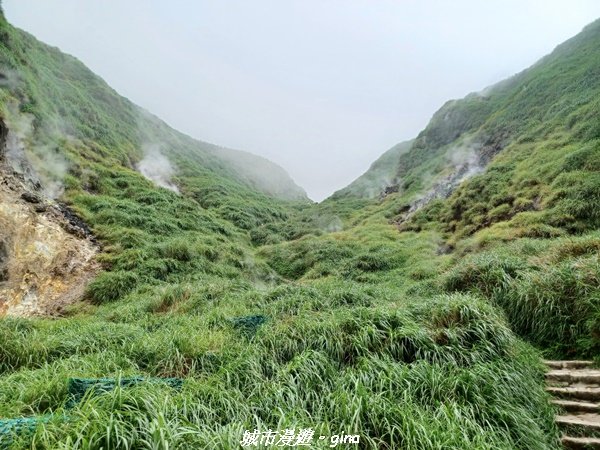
[575, 387]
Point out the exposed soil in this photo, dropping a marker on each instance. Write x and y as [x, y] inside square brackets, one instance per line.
[443, 188]
[47, 253]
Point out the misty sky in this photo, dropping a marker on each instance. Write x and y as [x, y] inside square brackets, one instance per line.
[322, 87]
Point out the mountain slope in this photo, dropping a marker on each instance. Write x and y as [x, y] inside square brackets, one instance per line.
[509, 181]
[413, 320]
[553, 103]
[380, 177]
[73, 147]
[67, 98]
[543, 124]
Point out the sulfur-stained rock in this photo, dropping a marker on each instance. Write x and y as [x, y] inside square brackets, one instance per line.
[44, 267]
[47, 253]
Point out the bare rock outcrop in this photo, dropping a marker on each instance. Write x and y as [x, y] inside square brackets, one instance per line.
[47, 254]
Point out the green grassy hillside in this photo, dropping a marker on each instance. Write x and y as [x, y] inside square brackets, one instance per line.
[380, 177]
[66, 98]
[415, 328]
[508, 181]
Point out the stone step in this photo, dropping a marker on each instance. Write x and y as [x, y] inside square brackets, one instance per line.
[587, 376]
[575, 393]
[586, 421]
[575, 364]
[580, 443]
[575, 407]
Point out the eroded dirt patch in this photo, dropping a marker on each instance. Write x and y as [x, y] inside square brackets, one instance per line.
[46, 257]
[44, 267]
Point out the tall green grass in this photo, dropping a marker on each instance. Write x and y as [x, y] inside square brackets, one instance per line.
[413, 339]
[549, 290]
[438, 373]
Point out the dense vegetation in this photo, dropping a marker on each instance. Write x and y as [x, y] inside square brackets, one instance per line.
[381, 178]
[425, 337]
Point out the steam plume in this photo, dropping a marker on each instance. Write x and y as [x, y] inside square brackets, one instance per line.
[156, 167]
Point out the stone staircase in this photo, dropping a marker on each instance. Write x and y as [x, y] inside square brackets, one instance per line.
[575, 387]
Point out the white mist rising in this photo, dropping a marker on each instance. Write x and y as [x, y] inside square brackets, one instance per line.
[156, 167]
[465, 159]
[41, 165]
[20, 134]
[55, 169]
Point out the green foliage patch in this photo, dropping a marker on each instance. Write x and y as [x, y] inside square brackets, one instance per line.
[414, 331]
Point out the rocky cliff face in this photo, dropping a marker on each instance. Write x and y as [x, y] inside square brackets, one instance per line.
[46, 254]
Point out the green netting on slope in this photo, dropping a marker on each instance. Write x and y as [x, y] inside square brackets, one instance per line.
[78, 387]
[248, 324]
[9, 428]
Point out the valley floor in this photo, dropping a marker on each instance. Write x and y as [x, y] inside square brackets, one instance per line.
[367, 332]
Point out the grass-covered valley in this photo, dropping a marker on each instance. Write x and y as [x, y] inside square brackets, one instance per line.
[413, 308]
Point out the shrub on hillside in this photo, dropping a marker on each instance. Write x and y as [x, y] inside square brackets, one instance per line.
[577, 194]
[110, 286]
[553, 302]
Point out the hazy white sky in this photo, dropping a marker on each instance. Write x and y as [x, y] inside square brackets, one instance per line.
[322, 87]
